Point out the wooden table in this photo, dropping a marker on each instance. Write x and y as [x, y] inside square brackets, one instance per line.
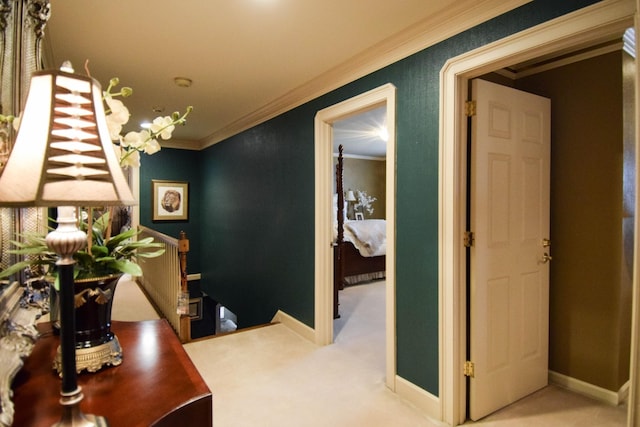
[156, 384]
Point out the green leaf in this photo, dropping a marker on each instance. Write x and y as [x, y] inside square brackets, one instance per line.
[32, 251]
[117, 239]
[15, 268]
[126, 267]
[150, 254]
[99, 251]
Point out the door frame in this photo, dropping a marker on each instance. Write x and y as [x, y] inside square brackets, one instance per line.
[324, 175]
[587, 25]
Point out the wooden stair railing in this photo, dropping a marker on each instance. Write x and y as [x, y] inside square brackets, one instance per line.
[164, 280]
[185, 318]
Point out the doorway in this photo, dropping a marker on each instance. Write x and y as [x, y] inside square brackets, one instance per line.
[584, 27]
[359, 149]
[324, 172]
[510, 148]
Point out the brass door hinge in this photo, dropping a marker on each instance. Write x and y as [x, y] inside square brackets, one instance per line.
[469, 369]
[470, 108]
[468, 239]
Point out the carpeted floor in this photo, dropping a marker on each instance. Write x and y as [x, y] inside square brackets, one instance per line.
[270, 376]
[130, 303]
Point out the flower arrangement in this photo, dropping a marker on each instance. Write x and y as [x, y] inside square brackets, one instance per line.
[364, 202]
[105, 254]
[129, 146]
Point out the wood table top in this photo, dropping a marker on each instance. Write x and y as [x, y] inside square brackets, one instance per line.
[155, 380]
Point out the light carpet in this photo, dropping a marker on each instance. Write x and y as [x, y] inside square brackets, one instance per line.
[270, 376]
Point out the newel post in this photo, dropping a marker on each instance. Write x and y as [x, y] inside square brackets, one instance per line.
[185, 318]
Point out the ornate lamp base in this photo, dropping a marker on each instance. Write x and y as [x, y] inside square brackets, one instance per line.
[94, 358]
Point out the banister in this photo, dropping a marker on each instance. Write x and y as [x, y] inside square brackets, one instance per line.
[162, 279]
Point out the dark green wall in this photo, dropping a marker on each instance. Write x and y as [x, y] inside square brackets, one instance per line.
[176, 165]
[257, 200]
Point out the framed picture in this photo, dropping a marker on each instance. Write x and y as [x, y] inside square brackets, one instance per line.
[359, 216]
[170, 200]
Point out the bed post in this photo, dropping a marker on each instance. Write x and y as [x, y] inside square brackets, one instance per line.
[338, 270]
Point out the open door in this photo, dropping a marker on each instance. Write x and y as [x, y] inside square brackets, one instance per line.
[510, 255]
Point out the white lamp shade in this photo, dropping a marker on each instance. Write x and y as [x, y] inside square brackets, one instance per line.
[350, 196]
[63, 154]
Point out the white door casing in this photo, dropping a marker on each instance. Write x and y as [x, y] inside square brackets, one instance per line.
[324, 174]
[585, 26]
[509, 304]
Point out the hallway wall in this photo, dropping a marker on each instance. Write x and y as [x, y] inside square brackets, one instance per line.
[256, 201]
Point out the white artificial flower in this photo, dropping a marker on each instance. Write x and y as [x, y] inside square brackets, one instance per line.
[129, 146]
[119, 116]
[131, 159]
[152, 146]
[163, 122]
[136, 140]
[114, 129]
[16, 122]
[119, 112]
[365, 201]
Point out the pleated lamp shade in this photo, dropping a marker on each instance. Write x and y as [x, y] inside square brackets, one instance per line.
[63, 154]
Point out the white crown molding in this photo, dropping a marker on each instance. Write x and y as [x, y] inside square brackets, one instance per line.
[464, 15]
[182, 144]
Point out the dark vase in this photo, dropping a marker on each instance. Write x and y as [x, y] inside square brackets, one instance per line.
[96, 344]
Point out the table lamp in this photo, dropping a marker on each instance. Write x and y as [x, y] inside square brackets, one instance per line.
[350, 198]
[63, 157]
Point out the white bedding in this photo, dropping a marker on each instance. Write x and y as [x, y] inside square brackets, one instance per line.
[369, 236]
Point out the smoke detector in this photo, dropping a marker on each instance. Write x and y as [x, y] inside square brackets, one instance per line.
[182, 81]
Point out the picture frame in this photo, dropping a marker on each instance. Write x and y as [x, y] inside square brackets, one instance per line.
[359, 216]
[170, 200]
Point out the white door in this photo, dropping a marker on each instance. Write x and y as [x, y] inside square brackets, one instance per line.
[509, 288]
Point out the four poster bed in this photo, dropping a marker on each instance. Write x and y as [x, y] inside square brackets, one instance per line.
[359, 246]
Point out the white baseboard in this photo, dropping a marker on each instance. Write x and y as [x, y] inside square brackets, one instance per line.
[420, 398]
[295, 325]
[593, 391]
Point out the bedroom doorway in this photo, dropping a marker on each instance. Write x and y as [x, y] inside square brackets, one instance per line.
[585, 27]
[360, 152]
[383, 96]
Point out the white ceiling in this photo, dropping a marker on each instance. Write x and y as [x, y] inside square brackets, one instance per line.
[242, 55]
[360, 134]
